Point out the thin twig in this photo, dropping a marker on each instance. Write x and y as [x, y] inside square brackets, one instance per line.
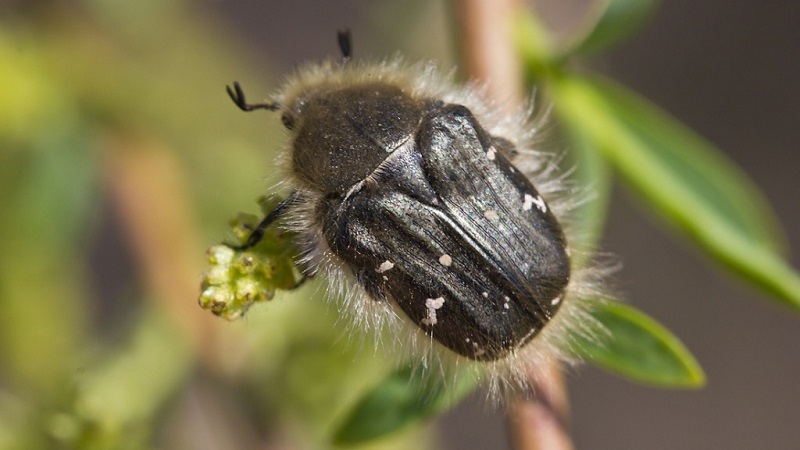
[487, 48]
[489, 57]
[540, 423]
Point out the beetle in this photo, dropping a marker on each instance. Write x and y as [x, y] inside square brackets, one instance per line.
[406, 190]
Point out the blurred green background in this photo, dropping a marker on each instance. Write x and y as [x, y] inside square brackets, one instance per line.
[121, 160]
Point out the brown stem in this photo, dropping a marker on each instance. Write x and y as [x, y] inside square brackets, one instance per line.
[487, 49]
[540, 422]
[489, 57]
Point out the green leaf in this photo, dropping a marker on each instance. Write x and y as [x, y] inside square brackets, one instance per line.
[593, 173]
[613, 21]
[400, 400]
[535, 46]
[641, 349]
[684, 178]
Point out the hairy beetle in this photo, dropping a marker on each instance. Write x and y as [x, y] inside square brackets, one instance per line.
[409, 191]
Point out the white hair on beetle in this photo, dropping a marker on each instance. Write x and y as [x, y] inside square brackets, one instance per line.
[555, 343]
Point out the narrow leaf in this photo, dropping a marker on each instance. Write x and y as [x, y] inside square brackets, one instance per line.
[593, 173]
[684, 178]
[400, 400]
[641, 349]
[613, 21]
[535, 45]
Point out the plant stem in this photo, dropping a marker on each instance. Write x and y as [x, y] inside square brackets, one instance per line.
[540, 422]
[489, 57]
[488, 53]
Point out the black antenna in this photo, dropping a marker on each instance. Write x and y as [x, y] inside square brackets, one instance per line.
[345, 44]
[237, 95]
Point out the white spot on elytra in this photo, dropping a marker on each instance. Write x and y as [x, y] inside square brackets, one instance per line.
[446, 260]
[540, 203]
[530, 200]
[432, 304]
[490, 214]
[385, 278]
[555, 301]
[491, 153]
[386, 265]
[505, 305]
[527, 204]
[485, 295]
